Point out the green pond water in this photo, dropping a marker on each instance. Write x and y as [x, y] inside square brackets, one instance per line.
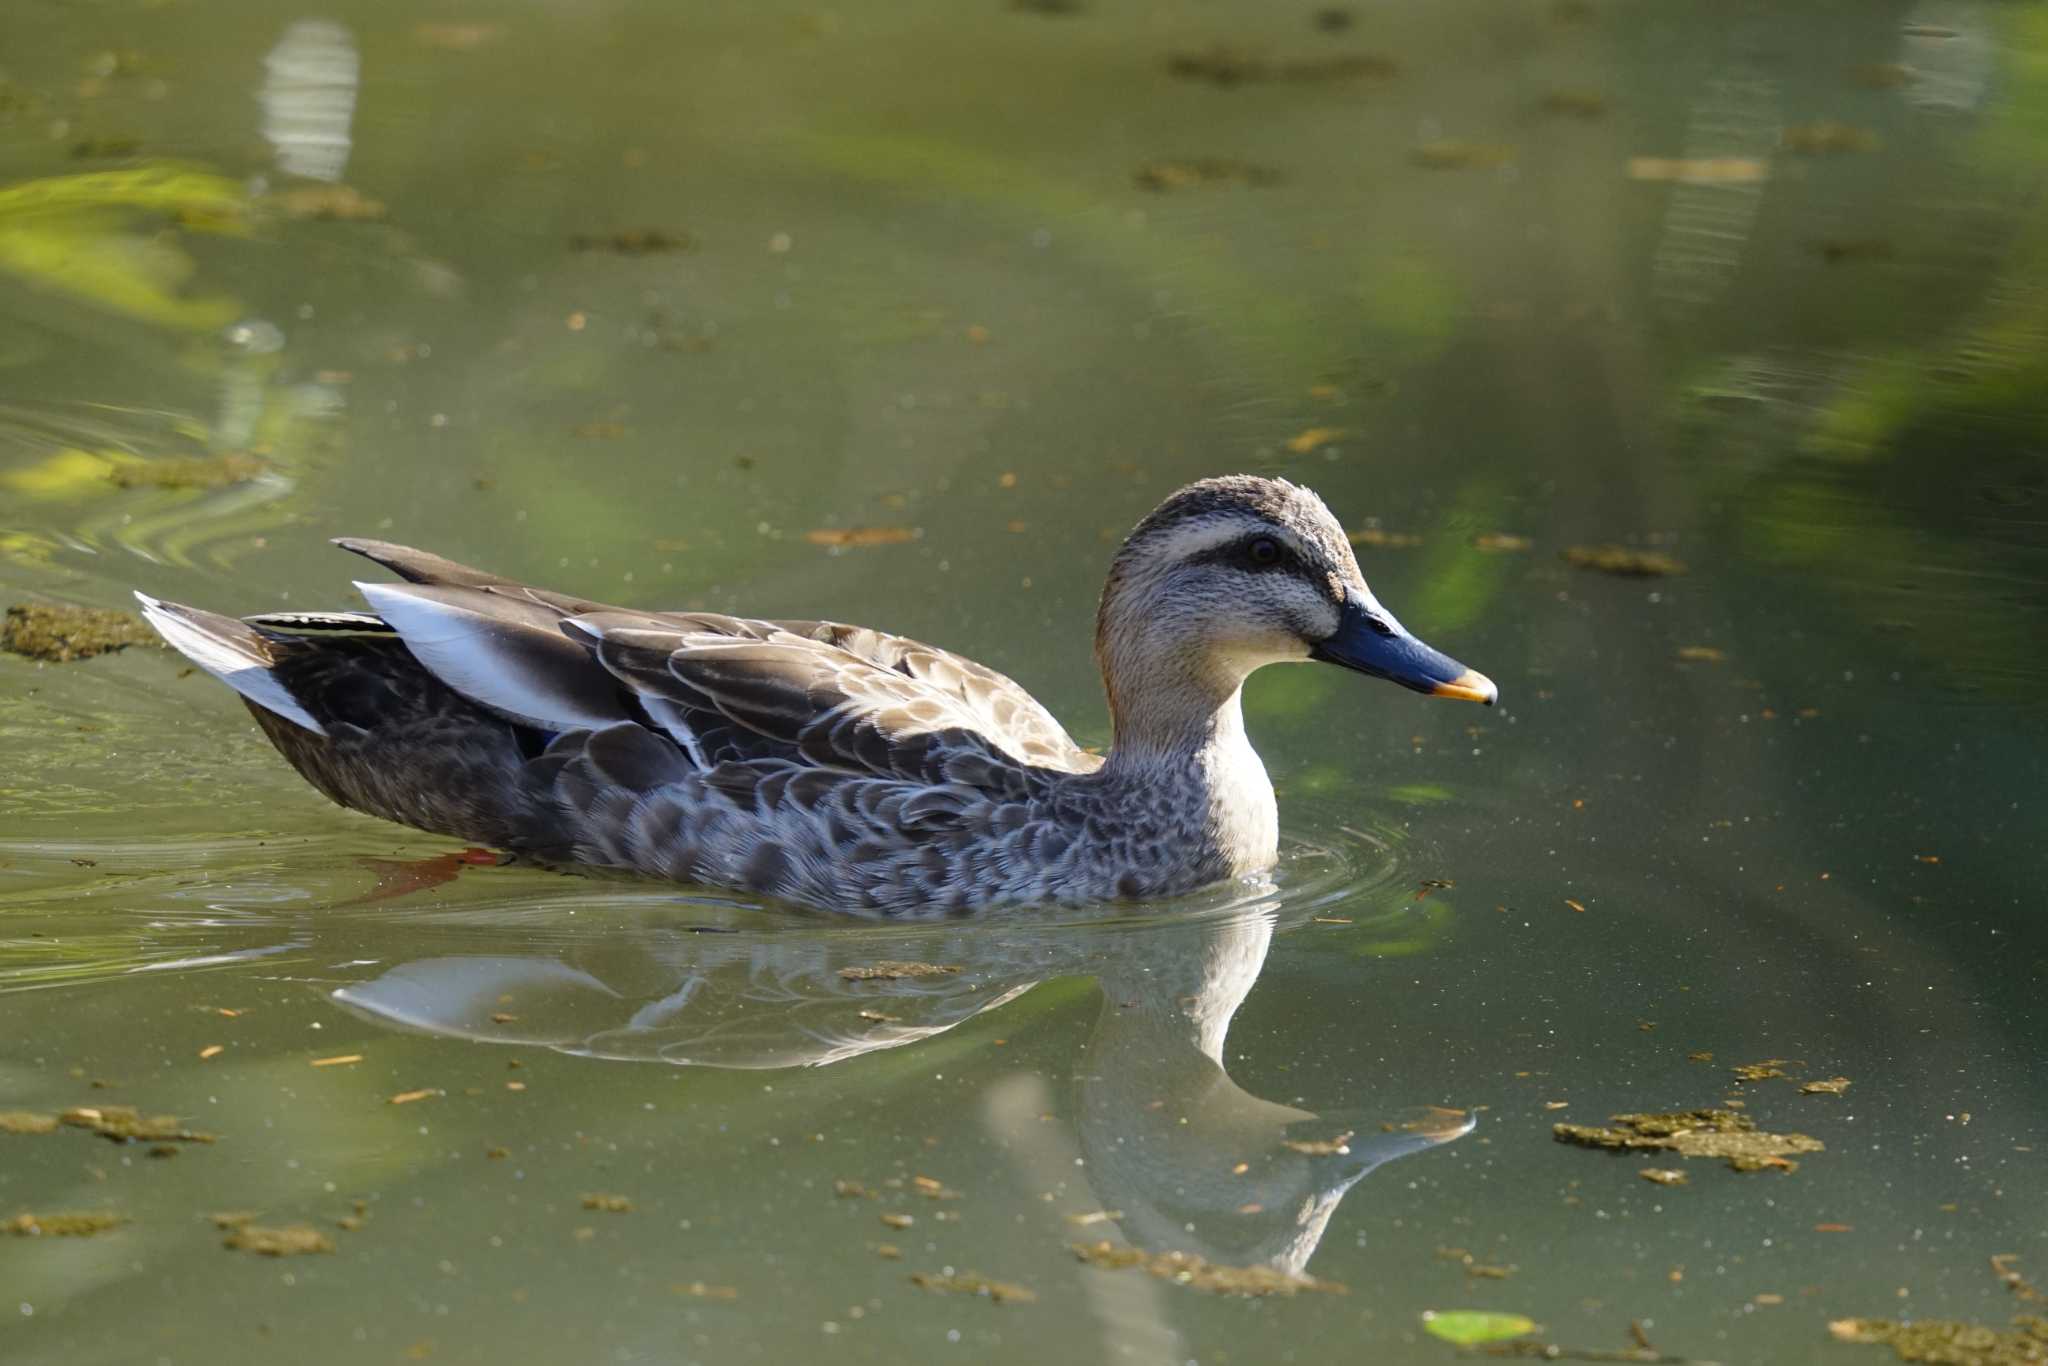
[654, 302]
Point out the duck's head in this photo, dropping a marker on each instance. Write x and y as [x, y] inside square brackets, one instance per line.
[1232, 574]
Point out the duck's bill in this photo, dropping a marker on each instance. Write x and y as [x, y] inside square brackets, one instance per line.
[1371, 641]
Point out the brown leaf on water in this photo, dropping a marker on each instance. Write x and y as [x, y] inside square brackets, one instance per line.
[1833, 1086]
[1314, 438]
[844, 538]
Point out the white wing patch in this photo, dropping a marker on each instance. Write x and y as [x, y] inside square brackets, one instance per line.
[233, 663]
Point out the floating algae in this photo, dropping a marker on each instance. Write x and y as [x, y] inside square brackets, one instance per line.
[126, 1124]
[1198, 171]
[889, 970]
[1184, 1268]
[288, 1240]
[1619, 559]
[1948, 1342]
[974, 1283]
[1695, 1133]
[187, 472]
[76, 1224]
[27, 1122]
[610, 1204]
[59, 635]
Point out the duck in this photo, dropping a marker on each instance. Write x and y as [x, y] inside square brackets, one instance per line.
[837, 767]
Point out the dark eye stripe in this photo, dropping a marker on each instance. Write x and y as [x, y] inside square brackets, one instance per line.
[1238, 553]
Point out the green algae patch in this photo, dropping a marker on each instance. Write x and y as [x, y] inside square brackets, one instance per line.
[1184, 1268]
[1949, 1342]
[974, 1283]
[286, 1240]
[890, 970]
[187, 472]
[1470, 1327]
[27, 1122]
[60, 635]
[1195, 172]
[73, 1224]
[1722, 1134]
[1622, 561]
[126, 1124]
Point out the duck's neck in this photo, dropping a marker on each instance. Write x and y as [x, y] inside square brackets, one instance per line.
[1180, 737]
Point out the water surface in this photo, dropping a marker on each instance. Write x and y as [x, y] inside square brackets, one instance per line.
[633, 300]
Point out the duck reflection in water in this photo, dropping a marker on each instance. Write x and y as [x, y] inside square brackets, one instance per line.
[1184, 1158]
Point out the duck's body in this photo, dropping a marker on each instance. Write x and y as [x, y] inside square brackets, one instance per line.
[825, 764]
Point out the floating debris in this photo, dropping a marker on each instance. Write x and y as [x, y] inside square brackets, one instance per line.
[1770, 1069]
[1578, 104]
[1324, 1147]
[329, 204]
[1162, 176]
[841, 538]
[1699, 170]
[1696, 1133]
[288, 1240]
[1501, 542]
[229, 1220]
[889, 1252]
[1184, 1268]
[1833, 1086]
[1449, 154]
[851, 1190]
[889, 970]
[187, 472]
[1094, 1216]
[74, 1224]
[1826, 138]
[27, 1122]
[899, 1220]
[974, 1283]
[1950, 1342]
[59, 635]
[1475, 1268]
[633, 242]
[933, 1189]
[2002, 1266]
[1664, 1176]
[338, 1060]
[1314, 439]
[126, 1124]
[1701, 654]
[1620, 560]
[700, 1291]
[610, 1204]
[408, 1097]
[877, 1017]
[1227, 66]
[1470, 1327]
[1384, 540]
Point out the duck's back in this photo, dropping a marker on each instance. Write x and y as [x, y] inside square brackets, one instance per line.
[827, 764]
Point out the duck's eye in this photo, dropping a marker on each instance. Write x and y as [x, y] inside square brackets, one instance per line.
[1262, 551]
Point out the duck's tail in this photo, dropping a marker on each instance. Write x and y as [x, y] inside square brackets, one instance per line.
[233, 651]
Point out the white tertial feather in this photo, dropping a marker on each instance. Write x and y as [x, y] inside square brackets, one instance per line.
[238, 666]
[498, 664]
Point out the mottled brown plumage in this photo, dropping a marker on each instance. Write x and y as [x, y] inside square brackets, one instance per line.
[832, 765]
